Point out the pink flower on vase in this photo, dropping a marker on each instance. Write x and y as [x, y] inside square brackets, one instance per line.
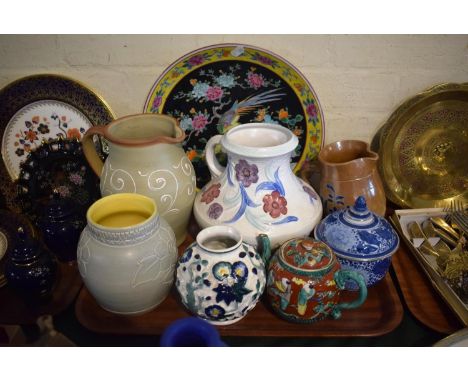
[311, 110]
[211, 193]
[214, 92]
[215, 211]
[246, 173]
[196, 60]
[275, 204]
[157, 102]
[255, 80]
[199, 122]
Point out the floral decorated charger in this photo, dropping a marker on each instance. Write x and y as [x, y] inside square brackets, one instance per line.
[216, 88]
[45, 107]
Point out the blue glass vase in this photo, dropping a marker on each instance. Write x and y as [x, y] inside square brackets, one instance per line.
[191, 332]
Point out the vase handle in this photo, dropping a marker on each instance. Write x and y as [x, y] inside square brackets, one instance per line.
[264, 248]
[340, 278]
[213, 165]
[89, 150]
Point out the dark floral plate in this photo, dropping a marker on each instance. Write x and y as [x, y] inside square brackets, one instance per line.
[42, 108]
[56, 165]
[213, 89]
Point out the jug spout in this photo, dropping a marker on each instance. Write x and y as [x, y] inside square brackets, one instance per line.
[347, 160]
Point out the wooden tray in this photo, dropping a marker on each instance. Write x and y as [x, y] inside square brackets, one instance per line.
[422, 299]
[14, 310]
[380, 314]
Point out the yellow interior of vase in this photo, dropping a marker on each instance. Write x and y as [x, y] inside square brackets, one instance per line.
[121, 210]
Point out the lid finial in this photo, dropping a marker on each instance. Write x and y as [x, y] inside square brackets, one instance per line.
[360, 204]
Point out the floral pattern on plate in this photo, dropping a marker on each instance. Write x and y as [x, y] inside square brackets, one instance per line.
[216, 88]
[38, 122]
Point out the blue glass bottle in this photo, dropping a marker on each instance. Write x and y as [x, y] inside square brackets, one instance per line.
[30, 269]
[61, 224]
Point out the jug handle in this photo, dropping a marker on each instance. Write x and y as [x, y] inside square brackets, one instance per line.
[213, 165]
[89, 150]
[340, 278]
[265, 248]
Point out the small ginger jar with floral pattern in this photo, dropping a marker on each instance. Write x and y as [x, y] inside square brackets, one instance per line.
[257, 192]
[219, 277]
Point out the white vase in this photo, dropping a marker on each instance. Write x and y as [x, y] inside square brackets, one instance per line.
[257, 192]
[127, 254]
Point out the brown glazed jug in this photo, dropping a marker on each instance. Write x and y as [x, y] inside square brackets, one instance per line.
[349, 170]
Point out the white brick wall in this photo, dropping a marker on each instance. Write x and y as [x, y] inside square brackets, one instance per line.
[359, 79]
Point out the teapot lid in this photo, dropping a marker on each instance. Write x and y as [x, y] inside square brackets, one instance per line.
[357, 233]
[306, 254]
[26, 250]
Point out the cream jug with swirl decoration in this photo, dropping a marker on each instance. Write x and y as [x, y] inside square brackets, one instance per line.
[145, 157]
[257, 192]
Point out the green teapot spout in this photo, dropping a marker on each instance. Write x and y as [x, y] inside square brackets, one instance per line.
[264, 248]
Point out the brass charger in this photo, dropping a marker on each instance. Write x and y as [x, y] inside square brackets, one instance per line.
[424, 149]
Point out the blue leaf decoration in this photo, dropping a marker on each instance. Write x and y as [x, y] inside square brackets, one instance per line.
[287, 219]
[330, 187]
[266, 186]
[239, 213]
[246, 198]
[339, 197]
[272, 186]
[279, 184]
[246, 201]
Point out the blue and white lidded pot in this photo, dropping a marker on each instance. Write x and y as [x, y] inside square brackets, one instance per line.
[362, 241]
